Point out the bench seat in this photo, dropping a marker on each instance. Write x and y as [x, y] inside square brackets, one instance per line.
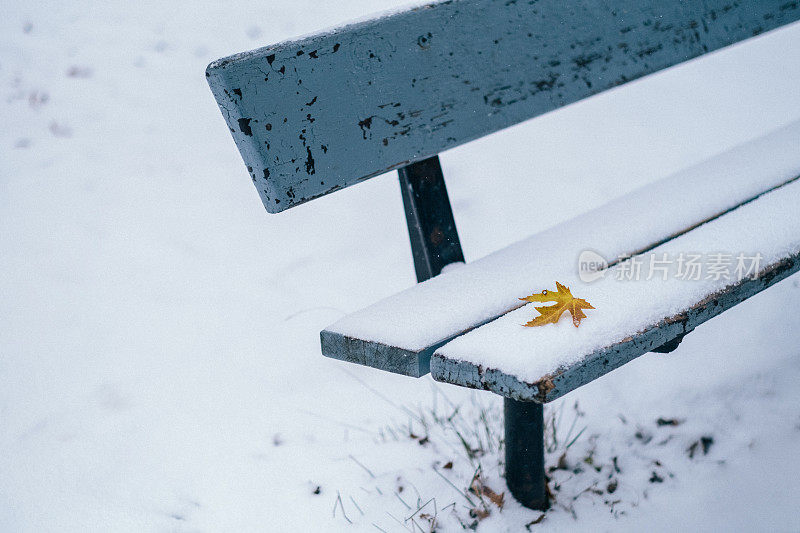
[630, 317]
[401, 333]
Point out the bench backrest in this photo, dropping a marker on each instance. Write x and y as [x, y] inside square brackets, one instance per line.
[322, 113]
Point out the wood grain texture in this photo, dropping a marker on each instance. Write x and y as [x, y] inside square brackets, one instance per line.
[553, 386]
[375, 354]
[315, 115]
[415, 363]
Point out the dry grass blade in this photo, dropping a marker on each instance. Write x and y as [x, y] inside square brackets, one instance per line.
[367, 470]
[340, 503]
[464, 494]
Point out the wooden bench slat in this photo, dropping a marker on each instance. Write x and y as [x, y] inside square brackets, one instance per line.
[631, 317]
[315, 115]
[401, 332]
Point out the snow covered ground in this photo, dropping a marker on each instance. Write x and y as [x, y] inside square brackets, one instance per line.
[159, 349]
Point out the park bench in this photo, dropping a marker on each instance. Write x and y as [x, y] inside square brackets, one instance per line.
[328, 111]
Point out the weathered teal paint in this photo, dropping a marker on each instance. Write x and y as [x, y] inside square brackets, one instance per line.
[322, 113]
[605, 360]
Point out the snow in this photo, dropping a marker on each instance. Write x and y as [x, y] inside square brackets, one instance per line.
[159, 332]
[459, 299]
[768, 227]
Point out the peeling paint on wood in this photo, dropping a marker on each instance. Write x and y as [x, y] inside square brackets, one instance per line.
[325, 112]
[603, 361]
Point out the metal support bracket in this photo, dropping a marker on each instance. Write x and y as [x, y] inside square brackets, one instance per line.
[431, 226]
[672, 345]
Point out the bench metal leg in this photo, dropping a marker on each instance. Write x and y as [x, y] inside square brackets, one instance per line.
[525, 476]
[435, 244]
[431, 226]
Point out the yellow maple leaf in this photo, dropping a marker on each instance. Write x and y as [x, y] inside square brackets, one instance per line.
[564, 302]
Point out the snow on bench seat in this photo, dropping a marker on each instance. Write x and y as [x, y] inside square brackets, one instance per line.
[631, 317]
[400, 333]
